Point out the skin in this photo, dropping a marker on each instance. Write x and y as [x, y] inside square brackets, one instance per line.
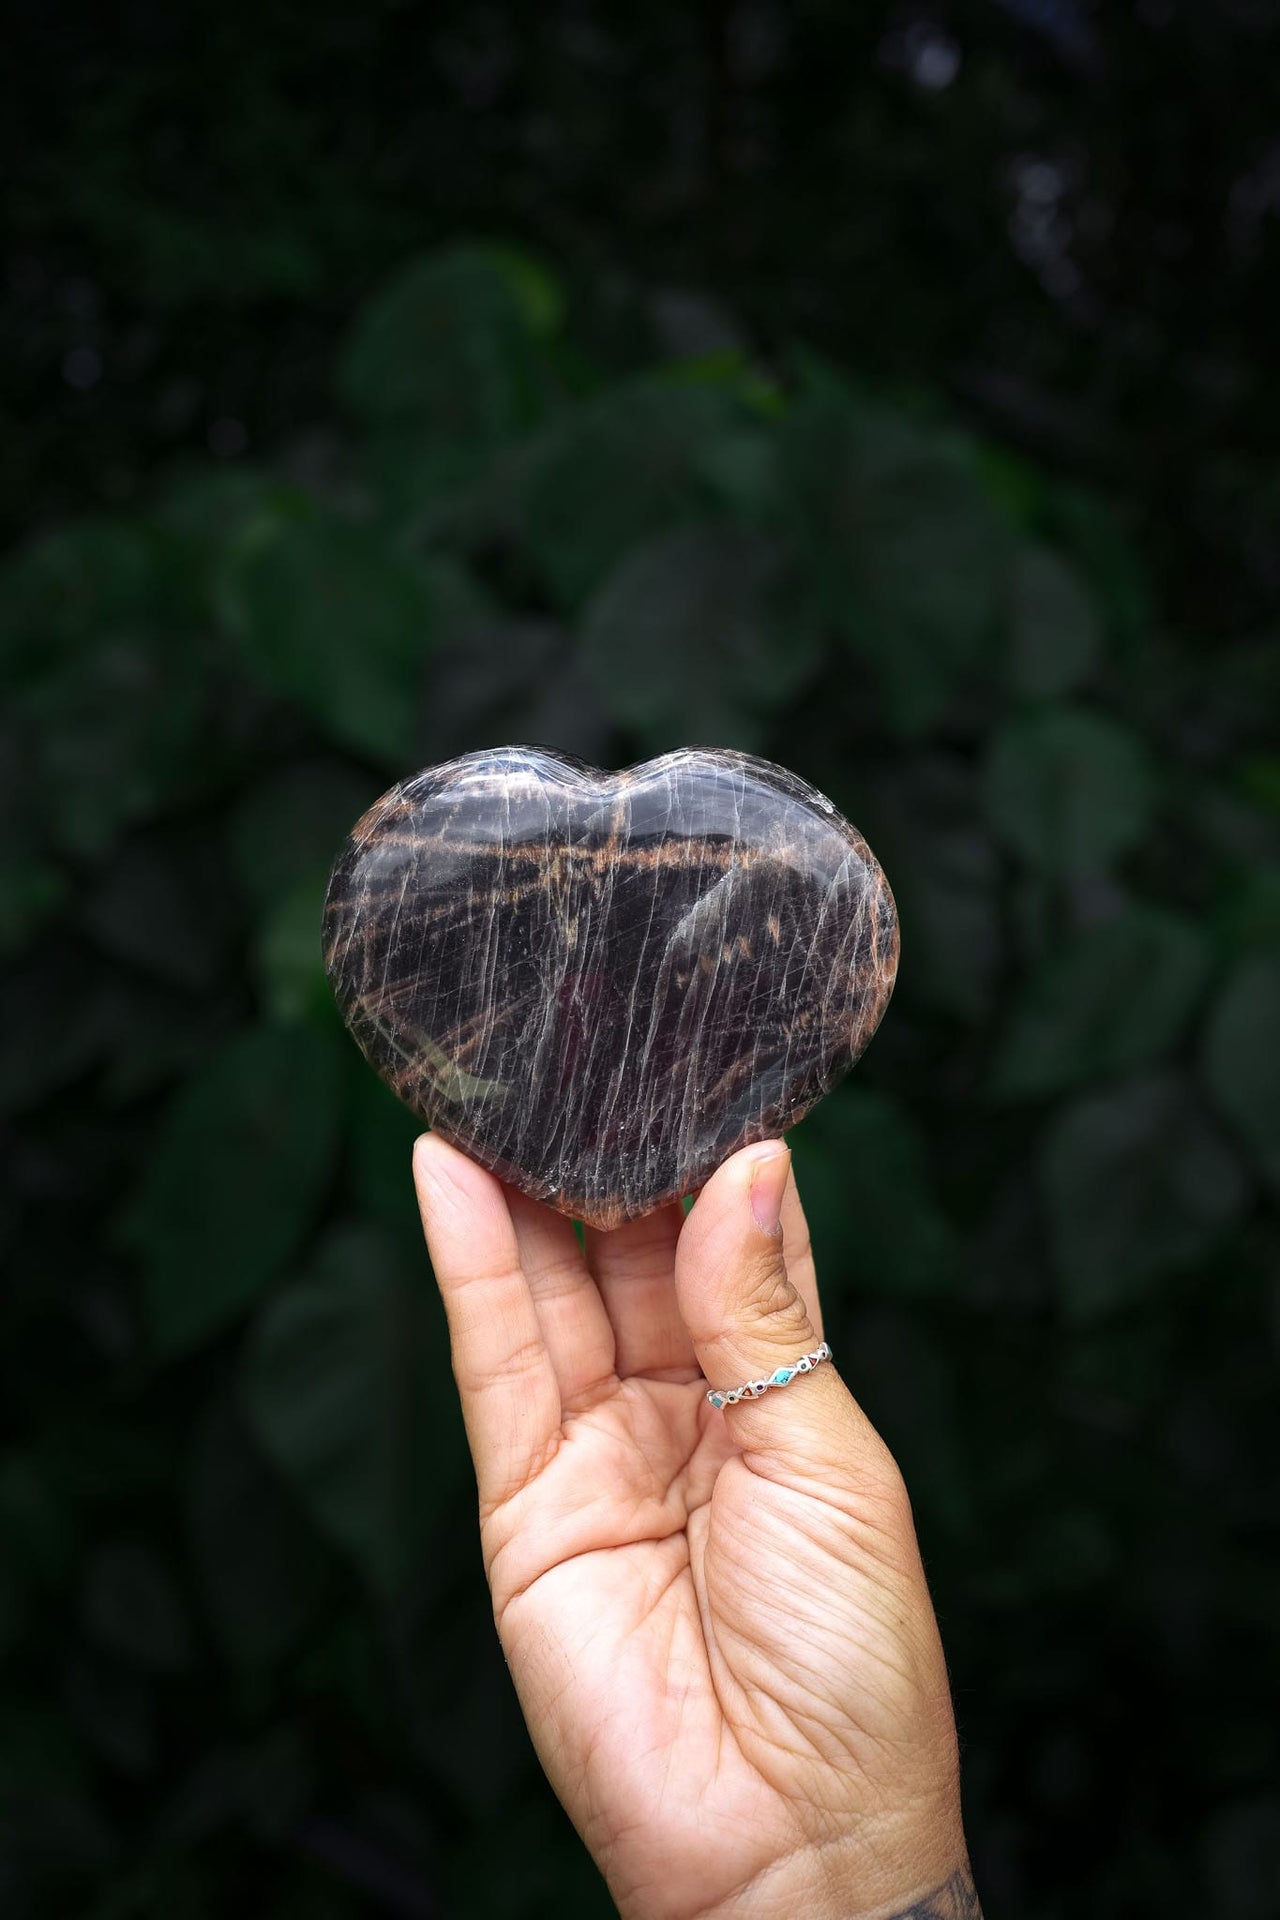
[717, 1621]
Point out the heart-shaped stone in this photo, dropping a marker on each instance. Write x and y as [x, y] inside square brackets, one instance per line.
[599, 985]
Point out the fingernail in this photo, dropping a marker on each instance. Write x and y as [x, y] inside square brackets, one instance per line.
[768, 1184]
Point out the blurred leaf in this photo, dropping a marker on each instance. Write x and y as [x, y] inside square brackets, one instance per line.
[945, 876]
[154, 1035]
[239, 1170]
[447, 363]
[1242, 1060]
[290, 972]
[1258, 777]
[1138, 1184]
[1240, 1850]
[292, 823]
[913, 1393]
[1053, 628]
[450, 343]
[515, 680]
[58, 594]
[610, 475]
[105, 676]
[1093, 536]
[210, 506]
[1250, 916]
[1114, 998]
[1069, 791]
[162, 905]
[65, 1026]
[262, 1571]
[863, 1170]
[349, 1391]
[37, 1539]
[905, 546]
[704, 626]
[32, 890]
[743, 472]
[536, 288]
[131, 1607]
[54, 1839]
[114, 1708]
[332, 616]
[382, 1133]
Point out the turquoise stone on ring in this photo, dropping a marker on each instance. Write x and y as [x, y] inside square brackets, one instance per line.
[600, 985]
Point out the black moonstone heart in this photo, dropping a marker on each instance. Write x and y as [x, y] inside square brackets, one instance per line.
[599, 985]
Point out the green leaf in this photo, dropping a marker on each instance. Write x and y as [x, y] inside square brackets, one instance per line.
[113, 1706]
[131, 1607]
[382, 1132]
[905, 546]
[1241, 1054]
[704, 623]
[161, 905]
[448, 364]
[288, 965]
[292, 824]
[263, 1573]
[55, 1842]
[1092, 534]
[1249, 918]
[1115, 998]
[36, 1543]
[106, 677]
[32, 890]
[332, 616]
[238, 1173]
[66, 1025]
[1138, 1184]
[863, 1169]
[1054, 634]
[611, 475]
[1069, 791]
[1239, 1851]
[349, 1392]
[61, 591]
[946, 879]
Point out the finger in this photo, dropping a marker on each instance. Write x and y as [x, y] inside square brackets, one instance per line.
[510, 1398]
[634, 1269]
[572, 1315]
[746, 1318]
[797, 1252]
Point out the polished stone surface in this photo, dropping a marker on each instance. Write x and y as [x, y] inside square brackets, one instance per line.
[599, 985]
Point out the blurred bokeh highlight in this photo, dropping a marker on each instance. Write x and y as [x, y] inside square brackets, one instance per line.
[887, 390]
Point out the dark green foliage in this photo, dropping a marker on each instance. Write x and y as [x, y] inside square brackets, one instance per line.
[331, 615]
[248, 1662]
[238, 1173]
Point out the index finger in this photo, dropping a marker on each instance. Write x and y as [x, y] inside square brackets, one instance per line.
[510, 1396]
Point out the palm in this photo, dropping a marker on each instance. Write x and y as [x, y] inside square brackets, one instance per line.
[597, 1601]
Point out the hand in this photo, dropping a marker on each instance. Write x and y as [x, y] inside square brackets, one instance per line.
[717, 1622]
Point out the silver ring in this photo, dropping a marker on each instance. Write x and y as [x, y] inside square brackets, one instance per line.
[780, 1377]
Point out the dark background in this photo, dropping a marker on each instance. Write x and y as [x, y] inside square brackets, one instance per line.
[889, 389]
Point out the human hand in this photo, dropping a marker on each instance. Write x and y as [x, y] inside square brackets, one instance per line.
[717, 1621]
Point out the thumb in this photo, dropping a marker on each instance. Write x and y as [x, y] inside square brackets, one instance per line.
[746, 1319]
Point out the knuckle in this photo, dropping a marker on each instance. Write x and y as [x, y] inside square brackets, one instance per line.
[772, 1303]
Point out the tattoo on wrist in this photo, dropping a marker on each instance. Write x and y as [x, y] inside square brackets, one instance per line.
[955, 1899]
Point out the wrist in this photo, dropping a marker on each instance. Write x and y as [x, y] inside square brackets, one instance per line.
[861, 1880]
[953, 1898]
